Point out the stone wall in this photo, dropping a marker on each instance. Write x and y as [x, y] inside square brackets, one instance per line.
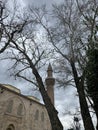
[18, 112]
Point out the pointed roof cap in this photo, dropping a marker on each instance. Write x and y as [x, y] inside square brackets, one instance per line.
[49, 67]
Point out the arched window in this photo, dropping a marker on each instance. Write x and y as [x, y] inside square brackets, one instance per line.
[20, 110]
[9, 106]
[42, 116]
[37, 115]
[10, 127]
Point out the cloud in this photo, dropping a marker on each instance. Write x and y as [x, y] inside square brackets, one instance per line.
[6, 78]
[42, 2]
[66, 101]
[63, 98]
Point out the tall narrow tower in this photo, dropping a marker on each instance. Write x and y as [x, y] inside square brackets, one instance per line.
[50, 81]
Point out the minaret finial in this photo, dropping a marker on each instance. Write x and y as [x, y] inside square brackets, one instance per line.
[50, 81]
[49, 70]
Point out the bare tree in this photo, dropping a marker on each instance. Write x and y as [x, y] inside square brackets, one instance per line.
[89, 12]
[10, 25]
[18, 37]
[76, 118]
[68, 36]
[28, 55]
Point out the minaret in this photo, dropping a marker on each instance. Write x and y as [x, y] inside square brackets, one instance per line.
[50, 81]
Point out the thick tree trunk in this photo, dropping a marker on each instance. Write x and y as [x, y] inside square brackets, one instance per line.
[88, 124]
[52, 112]
[96, 111]
[95, 101]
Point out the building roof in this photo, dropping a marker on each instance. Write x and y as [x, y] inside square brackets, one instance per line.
[18, 92]
[12, 88]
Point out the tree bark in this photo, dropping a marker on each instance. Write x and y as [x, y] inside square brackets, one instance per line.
[95, 101]
[85, 110]
[52, 112]
[87, 121]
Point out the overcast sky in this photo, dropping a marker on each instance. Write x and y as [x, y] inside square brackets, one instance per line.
[64, 99]
[41, 2]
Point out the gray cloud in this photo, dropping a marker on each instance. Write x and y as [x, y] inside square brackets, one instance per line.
[42, 2]
[63, 98]
[6, 78]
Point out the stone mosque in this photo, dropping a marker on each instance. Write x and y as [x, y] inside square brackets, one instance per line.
[21, 112]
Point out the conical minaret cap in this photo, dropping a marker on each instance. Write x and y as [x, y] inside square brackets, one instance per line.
[50, 81]
[49, 71]
[49, 67]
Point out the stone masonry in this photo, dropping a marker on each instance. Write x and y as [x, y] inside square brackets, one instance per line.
[19, 112]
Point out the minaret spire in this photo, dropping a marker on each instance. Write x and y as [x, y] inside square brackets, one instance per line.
[50, 81]
[49, 71]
